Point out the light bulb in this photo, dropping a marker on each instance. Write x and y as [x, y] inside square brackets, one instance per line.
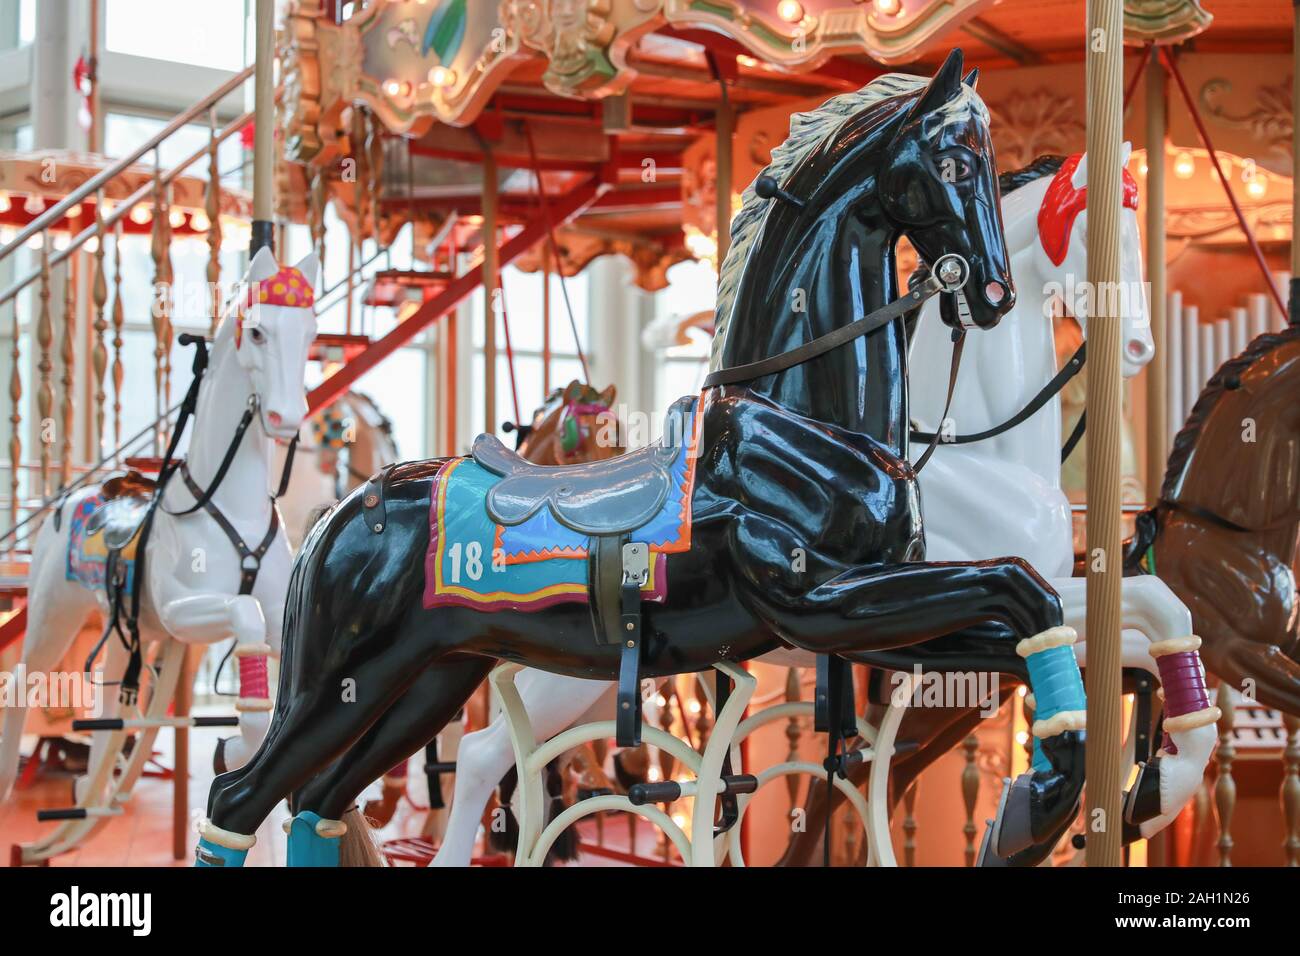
[34, 205]
[1184, 166]
[791, 11]
[141, 215]
[5, 204]
[888, 7]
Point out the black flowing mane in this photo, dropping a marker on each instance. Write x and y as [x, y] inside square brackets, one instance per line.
[1225, 380]
[1049, 164]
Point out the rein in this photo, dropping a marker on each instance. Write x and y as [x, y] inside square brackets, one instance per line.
[1045, 394]
[1219, 521]
[948, 276]
[130, 683]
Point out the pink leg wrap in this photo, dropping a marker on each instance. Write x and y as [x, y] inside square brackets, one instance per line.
[252, 678]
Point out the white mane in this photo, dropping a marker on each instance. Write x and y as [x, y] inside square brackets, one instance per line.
[807, 131]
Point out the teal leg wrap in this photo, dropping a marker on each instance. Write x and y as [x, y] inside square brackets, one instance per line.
[208, 853]
[1040, 763]
[1056, 682]
[306, 847]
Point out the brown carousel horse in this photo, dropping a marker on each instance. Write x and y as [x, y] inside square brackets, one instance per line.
[573, 424]
[1223, 536]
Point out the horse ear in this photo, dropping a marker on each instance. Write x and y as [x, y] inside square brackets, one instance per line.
[263, 265]
[972, 78]
[945, 85]
[573, 391]
[1080, 178]
[309, 266]
[607, 396]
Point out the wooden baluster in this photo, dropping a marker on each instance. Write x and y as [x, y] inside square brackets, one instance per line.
[909, 824]
[793, 733]
[1225, 787]
[45, 365]
[119, 321]
[375, 165]
[15, 423]
[212, 207]
[1291, 789]
[316, 213]
[99, 355]
[68, 356]
[161, 298]
[970, 791]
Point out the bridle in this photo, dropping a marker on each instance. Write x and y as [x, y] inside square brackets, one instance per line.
[250, 558]
[948, 275]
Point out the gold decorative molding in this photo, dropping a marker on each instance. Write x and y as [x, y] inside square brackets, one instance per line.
[578, 247]
[417, 61]
[1271, 121]
[1027, 125]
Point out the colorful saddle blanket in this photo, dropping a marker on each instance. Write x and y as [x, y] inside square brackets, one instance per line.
[98, 526]
[474, 561]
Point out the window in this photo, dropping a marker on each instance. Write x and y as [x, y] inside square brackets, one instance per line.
[524, 309]
[680, 369]
[124, 132]
[210, 34]
[17, 23]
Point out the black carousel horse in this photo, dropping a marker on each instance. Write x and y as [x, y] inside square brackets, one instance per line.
[804, 518]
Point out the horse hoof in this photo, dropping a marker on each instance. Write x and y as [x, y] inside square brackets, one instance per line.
[1014, 827]
[1142, 801]
[219, 757]
[987, 858]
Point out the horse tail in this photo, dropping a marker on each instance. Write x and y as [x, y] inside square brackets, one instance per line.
[358, 846]
[1146, 530]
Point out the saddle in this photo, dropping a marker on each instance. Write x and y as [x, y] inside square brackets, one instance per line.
[117, 522]
[608, 501]
[596, 498]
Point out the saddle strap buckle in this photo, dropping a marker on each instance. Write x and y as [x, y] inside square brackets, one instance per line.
[636, 572]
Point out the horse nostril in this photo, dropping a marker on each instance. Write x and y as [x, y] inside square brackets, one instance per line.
[1138, 350]
[995, 292]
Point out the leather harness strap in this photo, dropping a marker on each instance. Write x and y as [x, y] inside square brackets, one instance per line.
[250, 559]
[1070, 369]
[831, 340]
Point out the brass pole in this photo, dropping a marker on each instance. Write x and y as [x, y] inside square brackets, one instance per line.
[726, 124]
[490, 269]
[1294, 299]
[263, 126]
[1158, 369]
[1105, 69]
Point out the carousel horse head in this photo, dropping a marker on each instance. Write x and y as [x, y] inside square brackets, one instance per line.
[273, 323]
[574, 424]
[1061, 257]
[939, 187]
[902, 156]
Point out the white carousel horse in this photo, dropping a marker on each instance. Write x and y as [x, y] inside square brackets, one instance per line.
[1016, 505]
[338, 449]
[1003, 368]
[193, 572]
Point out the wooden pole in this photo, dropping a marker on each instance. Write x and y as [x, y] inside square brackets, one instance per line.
[490, 269]
[1158, 369]
[1294, 299]
[263, 126]
[726, 125]
[1105, 69]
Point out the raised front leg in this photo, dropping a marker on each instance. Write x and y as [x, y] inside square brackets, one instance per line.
[867, 613]
[1157, 638]
[199, 617]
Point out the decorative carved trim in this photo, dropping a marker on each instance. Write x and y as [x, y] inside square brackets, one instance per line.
[1027, 125]
[578, 247]
[1271, 121]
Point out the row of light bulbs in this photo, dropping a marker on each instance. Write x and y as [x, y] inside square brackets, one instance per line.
[141, 215]
[1256, 179]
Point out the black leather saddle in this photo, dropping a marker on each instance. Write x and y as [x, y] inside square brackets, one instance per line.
[607, 497]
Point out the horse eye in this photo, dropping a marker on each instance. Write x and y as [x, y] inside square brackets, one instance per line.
[257, 335]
